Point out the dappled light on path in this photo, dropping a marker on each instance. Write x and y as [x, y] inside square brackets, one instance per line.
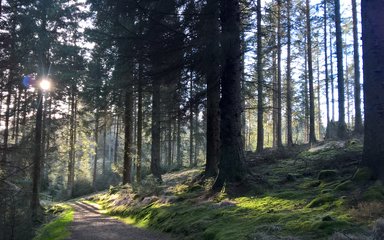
[88, 223]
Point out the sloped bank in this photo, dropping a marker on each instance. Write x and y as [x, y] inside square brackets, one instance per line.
[315, 195]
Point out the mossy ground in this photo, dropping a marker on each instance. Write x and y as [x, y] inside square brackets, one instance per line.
[291, 198]
[57, 229]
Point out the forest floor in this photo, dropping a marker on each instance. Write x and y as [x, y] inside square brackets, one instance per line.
[317, 192]
[89, 223]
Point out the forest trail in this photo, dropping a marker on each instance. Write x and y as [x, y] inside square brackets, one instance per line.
[89, 224]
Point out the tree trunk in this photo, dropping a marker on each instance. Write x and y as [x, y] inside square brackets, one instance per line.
[356, 60]
[373, 58]
[35, 201]
[104, 143]
[260, 82]
[318, 97]
[347, 85]
[196, 131]
[279, 134]
[332, 80]
[289, 78]
[231, 165]
[116, 140]
[191, 123]
[306, 97]
[128, 133]
[326, 61]
[312, 133]
[342, 130]
[155, 150]
[274, 95]
[17, 117]
[213, 91]
[71, 153]
[139, 124]
[169, 140]
[178, 140]
[96, 149]
[7, 117]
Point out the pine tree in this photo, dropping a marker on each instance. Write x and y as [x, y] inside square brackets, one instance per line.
[312, 134]
[356, 63]
[231, 164]
[342, 128]
[260, 82]
[372, 32]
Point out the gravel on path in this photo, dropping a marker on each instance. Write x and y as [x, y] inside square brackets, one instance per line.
[89, 224]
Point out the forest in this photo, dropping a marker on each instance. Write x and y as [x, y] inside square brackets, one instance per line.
[208, 119]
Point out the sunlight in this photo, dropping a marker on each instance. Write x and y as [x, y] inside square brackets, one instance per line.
[45, 84]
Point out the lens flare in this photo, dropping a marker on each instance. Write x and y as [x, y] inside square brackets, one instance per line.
[45, 84]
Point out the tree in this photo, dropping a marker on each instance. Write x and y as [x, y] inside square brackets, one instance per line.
[279, 117]
[212, 69]
[373, 58]
[325, 17]
[35, 200]
[289, 77]
[356, 65]
[231, 165]
[128, 130]
[312, 134]
[342, 128]
[260, 81]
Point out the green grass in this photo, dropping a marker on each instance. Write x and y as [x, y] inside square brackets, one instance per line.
[58, 228]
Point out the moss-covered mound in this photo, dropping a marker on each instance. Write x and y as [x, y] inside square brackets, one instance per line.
[319, 200]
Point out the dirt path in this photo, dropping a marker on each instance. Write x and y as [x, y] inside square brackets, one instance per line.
[89, 224]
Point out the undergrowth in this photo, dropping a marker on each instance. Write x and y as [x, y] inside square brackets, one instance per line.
[57, 229]
[314, 195]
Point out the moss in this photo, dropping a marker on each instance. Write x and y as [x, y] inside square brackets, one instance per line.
[321, 200]
[58, 228]
[311, 184]
[327, 175]
[374, 192]
[345, 186]
[362, 175]
[307, 208]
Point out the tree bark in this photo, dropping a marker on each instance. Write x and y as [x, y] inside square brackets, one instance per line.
[231, 165]
[7, 118]
[128, 134]
[71, 153]
[213, 91]
[279, 134]
[373, 58]
[326, 62]
[191, 122]
[356, 60]
[332, 80]
[96, 149]
[312, 134]
[289, 77]
[104, 143]
[342, 130]
[116, 140]
[35, 201]
[139, 124]
[260, 82]
[155, 150]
